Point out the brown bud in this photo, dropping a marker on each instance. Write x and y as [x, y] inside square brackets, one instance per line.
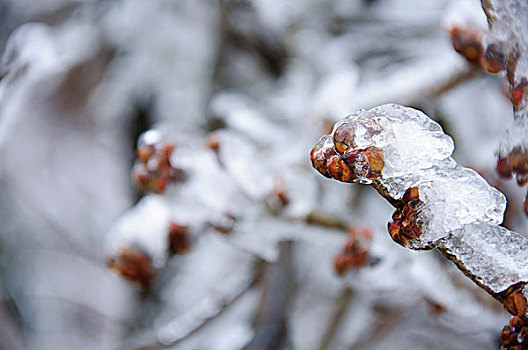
[524, 333]
[153, 171]
[518, 160]
[410, 232]
[397, 215]
[526, 205]
[375, 160]
[494, 59]
[355, 253]
[344, 138]
[339, 170]
[508, 336]
[515, 304]
[503, 168]
[518, 93]
[516, 322]
[409, 211]
[410, 194]
[395, 232]
[340, 264]
[144, 152]
[279, 198]
[178, 239]
[213, 142]
[320, 155]
[167, 150]
[140, 176]
[467, 41]
[135, 265]
[158, 184]
[521, 179]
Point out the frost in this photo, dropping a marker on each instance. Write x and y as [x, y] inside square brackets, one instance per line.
[439, 203]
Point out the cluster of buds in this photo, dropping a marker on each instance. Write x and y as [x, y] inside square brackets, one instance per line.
[406, 225]
[515, 335]
[355, 253]
[515, 301]
[134, 264]
[519, 93]
[496, 58]
[467, 41]
[153, 171]
[337, 157]
[516, 162]
[178, 239]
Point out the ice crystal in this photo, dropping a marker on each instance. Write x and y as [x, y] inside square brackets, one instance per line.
[439, 203]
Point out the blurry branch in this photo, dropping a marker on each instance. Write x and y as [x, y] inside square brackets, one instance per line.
[271, 324]
[340, 311]
[453, 81]
[202, 314]
[240, 30]
[10, 331]
[488, 10]
[321, 219]
[412, 86]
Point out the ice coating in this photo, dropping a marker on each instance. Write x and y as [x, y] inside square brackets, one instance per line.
[400, 133]
[438, 202]
[455, 199]
[493, 254]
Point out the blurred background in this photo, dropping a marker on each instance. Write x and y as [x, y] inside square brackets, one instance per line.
[211, 230]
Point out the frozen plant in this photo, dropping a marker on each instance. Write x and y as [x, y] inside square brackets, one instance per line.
[439, 204]
[504, 49]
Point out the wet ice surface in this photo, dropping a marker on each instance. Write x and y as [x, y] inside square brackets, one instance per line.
[458, 210]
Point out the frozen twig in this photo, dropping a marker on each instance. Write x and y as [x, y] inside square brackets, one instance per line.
[506, 51]
[405, 156]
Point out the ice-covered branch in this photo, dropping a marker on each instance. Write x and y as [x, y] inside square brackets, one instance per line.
[507, 50]
[439, 204]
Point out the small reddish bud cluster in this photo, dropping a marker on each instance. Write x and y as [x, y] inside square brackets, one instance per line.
[342, 161]
[494, 59]
[467, 41]
[515, 335]
[515, 163]
[178, 238]
[518, 93]
[153, 171]
[515, 303]
[405, 226]
[135, 265]
[355, 253]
